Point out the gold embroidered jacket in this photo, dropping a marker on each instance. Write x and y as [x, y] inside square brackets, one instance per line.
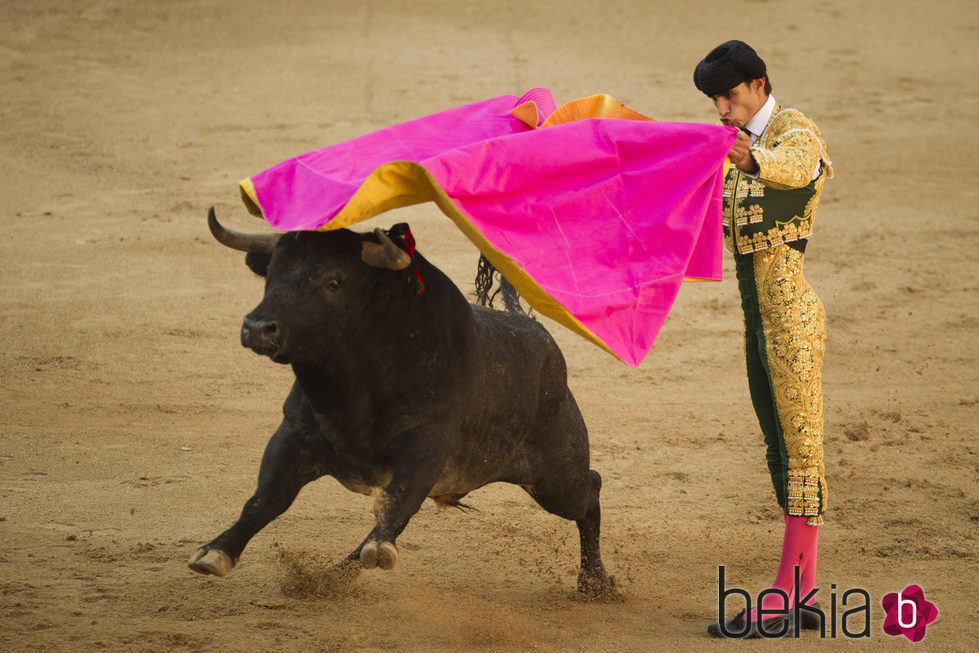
[777, 206]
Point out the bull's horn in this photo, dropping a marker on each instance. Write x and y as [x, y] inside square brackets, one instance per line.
[387, 255]
[254, 243]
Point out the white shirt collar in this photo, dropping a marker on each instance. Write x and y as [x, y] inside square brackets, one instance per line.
[756, 125]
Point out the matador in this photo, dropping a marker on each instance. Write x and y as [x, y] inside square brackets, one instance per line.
[779, 166]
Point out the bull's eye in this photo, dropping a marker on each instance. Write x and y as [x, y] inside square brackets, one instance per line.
[333, 284]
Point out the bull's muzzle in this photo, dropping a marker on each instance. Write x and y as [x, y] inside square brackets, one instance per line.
[261, 335]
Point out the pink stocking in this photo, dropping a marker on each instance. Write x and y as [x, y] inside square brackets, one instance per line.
[808, 582]
[798, 549]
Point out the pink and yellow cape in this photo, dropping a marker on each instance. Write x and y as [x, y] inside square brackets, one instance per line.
[592, 211]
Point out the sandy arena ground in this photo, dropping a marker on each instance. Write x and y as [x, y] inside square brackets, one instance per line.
[132, 421]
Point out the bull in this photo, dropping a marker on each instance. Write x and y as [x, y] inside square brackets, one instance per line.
[403, 393]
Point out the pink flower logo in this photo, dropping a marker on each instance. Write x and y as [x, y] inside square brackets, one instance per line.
[908, 613]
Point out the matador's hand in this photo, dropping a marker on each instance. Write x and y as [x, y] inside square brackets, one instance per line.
[740, 154]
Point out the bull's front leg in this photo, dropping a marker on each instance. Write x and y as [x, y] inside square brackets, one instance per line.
[291, 460]
[418, 464]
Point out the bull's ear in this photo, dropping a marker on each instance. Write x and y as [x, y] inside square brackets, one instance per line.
[258, 263]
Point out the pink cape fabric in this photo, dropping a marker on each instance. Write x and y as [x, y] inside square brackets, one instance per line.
[606, 216]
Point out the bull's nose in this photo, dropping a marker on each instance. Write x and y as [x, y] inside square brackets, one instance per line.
[259, 333]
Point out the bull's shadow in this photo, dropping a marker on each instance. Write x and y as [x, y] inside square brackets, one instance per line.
[404, 390]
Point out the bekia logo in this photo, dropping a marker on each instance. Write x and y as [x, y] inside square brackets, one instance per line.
[908, 613]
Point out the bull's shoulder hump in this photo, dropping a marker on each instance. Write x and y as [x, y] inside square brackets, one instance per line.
[513, 325]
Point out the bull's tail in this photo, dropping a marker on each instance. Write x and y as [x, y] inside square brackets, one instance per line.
[485, 295]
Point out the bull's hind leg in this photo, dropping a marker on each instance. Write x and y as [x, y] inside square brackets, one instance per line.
[579, 501]
[289, 463]
[592, 579]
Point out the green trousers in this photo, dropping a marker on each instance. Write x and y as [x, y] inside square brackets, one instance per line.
[785, 334]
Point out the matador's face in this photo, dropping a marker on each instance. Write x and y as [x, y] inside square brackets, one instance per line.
[741, 103]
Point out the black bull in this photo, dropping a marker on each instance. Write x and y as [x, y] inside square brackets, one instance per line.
[403, 396]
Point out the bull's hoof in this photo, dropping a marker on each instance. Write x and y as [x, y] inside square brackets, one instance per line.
[383, 555]
[211, 561]
[598, 588]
